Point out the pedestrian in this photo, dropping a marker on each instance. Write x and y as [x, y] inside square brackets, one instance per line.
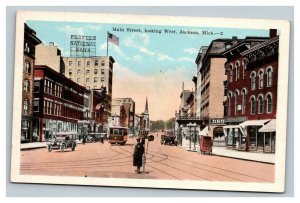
[138, 154]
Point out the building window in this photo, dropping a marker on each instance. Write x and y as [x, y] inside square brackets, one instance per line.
[230, 73]
[25, 107]
[260, 104]
[102, 71]
[26, 85]
[70, 72]
[87, 80]
[27, 67]
[88, 63]
[244, 92]
[78, 72]
[269, 103]
[78, 79]
[261, 79]
[269, 76]
[70, 63]
[102, 79]
[253, 75]
[87, 72]
[26, 48]
[95, 71]
[37, 86]
[96, 63]
[36, 105]
[237, 70]
[102, 63]
[95, 79]
[79, 63]
[253, 105]
[229, 103]
[236, 101]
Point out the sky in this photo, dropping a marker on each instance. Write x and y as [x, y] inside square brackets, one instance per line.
[148, 64]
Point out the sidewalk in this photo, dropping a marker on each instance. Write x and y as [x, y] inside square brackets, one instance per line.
[224, 152]
[251, 156]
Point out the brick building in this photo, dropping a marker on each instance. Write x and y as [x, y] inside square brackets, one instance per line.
[58, 103]
[252, 69]
[30, 42]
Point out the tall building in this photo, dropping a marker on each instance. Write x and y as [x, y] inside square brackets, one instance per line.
[50, 55]
[146, 117]
[58, 103]
[91, 72]
[252, 71]
[30, 42]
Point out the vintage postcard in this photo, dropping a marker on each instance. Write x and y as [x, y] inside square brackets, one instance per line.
[150, 101]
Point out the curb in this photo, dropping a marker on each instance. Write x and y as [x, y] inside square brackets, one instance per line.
[264, 162]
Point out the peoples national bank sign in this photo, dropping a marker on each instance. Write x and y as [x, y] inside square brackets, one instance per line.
[82, 46]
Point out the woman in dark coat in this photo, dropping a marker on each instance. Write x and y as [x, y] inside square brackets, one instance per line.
[138, 154]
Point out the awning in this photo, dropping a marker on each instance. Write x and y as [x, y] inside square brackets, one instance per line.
[204, 132]
[269, 127]
[231, 126]
[254, 123]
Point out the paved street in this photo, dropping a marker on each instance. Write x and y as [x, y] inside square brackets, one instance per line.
[163, 162]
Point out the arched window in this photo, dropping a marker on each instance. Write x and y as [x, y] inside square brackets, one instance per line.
[230, 73]
[229, 103]
[253, 75]
[269, 76]
[236, 95]
[253, 105]
[25, 107]
[269, 103]
[244, 92]
[260, 104]
[244, 67]
[237, 66]
[27, 67]
[260, 79]
[26, 85]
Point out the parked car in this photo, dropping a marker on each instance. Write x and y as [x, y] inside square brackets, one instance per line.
[63, 140]
[168, 138]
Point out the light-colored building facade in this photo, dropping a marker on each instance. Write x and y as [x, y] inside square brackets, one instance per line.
[50, 55]
[127, 104]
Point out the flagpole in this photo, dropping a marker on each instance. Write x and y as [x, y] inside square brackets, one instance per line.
[107, 44]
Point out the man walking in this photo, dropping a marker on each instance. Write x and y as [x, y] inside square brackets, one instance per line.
[138, 154]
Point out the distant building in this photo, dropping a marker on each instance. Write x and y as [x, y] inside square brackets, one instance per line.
[50, 55]
[30, 42]
[125, 108]
[145, 118]
[58, 103]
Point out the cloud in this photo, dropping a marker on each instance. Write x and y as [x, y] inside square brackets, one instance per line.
[136, 57]
[162, 89]
[131, 41]
[94, 27]
[191, 50]
[164, 57]
[71, 30]
[186, 59]
[146, 51]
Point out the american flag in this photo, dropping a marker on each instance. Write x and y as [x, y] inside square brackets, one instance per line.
[113, 39]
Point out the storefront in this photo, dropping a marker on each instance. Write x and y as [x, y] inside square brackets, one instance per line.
[215, 130]
[235, 137]
[255, 138]
[269, 134]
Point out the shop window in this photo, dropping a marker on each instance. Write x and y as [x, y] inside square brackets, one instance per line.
[260, 105]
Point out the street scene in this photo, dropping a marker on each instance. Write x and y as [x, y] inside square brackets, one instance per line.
[149, 102]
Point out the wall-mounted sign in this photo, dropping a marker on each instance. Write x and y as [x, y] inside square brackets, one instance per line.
[82, 46]
[217, 121]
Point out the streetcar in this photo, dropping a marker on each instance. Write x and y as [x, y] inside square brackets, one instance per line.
[117, 135]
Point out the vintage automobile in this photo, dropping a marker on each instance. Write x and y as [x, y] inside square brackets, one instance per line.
[168, 138]
[62, 141]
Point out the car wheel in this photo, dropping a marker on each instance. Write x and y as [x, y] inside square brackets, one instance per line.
[62, 147]
[49, 149]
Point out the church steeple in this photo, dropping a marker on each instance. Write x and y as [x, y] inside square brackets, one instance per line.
[146, 106]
